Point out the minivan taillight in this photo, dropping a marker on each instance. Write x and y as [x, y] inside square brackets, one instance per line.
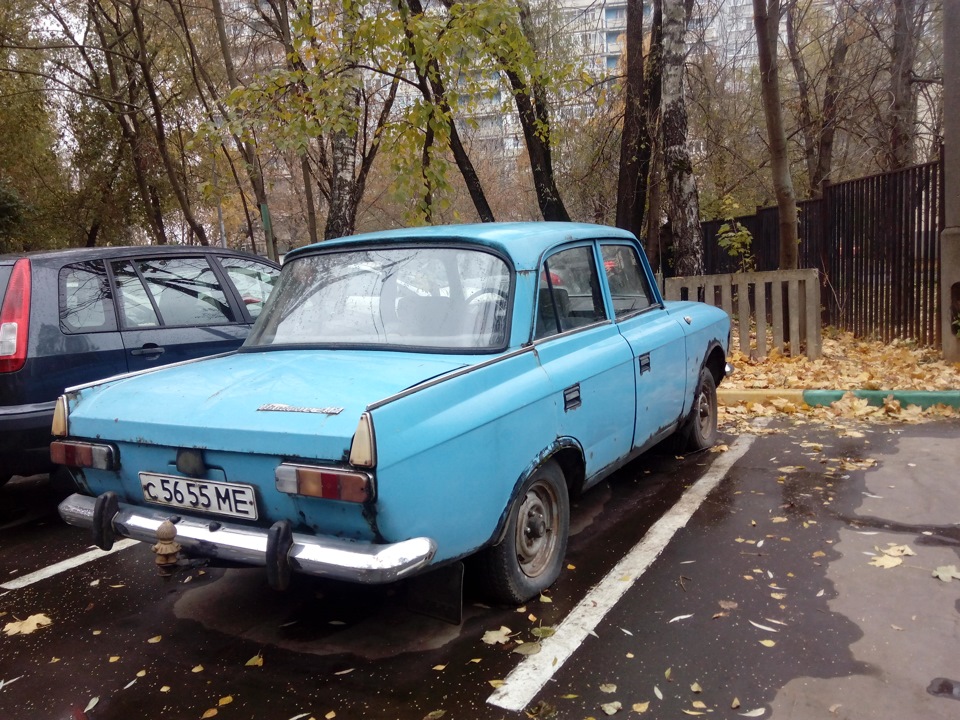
[15, 318]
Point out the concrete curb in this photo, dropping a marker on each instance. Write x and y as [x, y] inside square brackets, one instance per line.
[814, 398]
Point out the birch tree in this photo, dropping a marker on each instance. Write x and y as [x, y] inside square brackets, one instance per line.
[682, 199]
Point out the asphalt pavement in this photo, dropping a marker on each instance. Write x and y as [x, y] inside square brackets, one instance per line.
[766, 598]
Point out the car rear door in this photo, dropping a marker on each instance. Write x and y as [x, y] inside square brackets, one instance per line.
[175, 308]
[587, 360]
[656, 340]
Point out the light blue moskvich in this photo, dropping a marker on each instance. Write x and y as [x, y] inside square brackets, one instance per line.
[406, 399]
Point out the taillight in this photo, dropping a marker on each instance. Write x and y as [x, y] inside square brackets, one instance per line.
[15, 318]
[363, 449]
[83, 455]
[323, 482]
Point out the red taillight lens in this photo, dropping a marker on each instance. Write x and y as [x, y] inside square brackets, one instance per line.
[15, 318]
[83, 455]
[326, 483]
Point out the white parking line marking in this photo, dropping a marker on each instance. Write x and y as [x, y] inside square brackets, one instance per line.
[67, 564]
[525, 681]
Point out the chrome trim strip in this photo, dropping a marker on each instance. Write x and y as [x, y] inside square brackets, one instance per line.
[318, 555]
[448, 376]
[145, 371]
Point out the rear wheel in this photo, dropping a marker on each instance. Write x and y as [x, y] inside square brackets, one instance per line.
[529, 558]
[700, 429]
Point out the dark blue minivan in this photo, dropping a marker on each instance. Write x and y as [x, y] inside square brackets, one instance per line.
[68, 317]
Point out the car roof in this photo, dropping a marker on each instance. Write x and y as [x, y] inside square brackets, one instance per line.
[95, 253]
[524, 242]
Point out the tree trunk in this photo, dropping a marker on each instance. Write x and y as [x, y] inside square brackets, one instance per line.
[534, 115]
[158, 126]
[431, 86]
[683, 202]
[653, 86]
[248, 149]
[903, 106]
[634, 142]
[766, 18]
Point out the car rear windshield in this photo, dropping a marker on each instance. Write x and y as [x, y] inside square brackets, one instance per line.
[449, 298]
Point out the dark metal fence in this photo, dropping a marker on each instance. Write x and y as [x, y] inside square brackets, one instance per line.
[875, 241]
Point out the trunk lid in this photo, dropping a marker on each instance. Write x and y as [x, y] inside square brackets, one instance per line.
[289, 403]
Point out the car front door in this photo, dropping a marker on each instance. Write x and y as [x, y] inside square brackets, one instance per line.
[588, 362]
[173, 309]
[656, 340]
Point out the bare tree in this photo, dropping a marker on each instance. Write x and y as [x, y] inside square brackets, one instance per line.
[766, 18]
[634, 141]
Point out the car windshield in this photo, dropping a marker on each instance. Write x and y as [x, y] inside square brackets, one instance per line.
[420, 297]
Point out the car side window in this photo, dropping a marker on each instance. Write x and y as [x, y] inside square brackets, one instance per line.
[86, 301]
[253, 280]
[569, 292]
[186, 291]
[136, 310]
[628, 283]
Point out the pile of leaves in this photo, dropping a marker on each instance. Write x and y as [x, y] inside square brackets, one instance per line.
[847, 363]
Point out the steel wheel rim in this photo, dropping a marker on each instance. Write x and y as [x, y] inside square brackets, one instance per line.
[538, 522]
[704, 413]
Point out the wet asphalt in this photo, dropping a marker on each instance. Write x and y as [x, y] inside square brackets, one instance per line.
[766, 600]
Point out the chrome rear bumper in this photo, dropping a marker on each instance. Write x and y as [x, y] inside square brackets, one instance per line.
[309, 554]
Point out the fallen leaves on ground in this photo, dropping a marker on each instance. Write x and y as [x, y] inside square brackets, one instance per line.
[947, 573]
[25, 627]
[847, 363]
[492, 637]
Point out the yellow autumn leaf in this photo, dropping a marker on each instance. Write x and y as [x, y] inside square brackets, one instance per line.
[28, 626]
[495, 683]
[699, 704]
[330, 715]
[640, 707]
[212, 712]
[439, 667]
[155, 639]
[768, 643]
[885, 561]
[255, 661]
[114, 658]
[695, 687]
[165, 689]
[225, 700]
[197, 669]
[142, 673]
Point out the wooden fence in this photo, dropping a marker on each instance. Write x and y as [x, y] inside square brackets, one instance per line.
[875, 241]
[779, 307]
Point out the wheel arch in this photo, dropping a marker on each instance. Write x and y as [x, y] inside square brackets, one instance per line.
[715, 360]
[568, 454]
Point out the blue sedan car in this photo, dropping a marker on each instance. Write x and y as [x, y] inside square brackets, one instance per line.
[406, 399]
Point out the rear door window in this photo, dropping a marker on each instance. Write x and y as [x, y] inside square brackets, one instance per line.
[86, 300]
[253, 280]
[181, 291]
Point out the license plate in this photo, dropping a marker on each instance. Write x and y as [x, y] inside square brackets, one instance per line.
[220, 498]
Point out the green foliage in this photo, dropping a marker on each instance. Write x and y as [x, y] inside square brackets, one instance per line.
[734, 237]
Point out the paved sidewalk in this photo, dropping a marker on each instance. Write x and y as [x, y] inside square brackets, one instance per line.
[814, 398]
[910, 620]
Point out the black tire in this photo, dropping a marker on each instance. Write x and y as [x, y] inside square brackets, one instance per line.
[700, 428]
[529, 558]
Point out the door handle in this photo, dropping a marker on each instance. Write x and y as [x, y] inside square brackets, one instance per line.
[644, 361]
[148, 349]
